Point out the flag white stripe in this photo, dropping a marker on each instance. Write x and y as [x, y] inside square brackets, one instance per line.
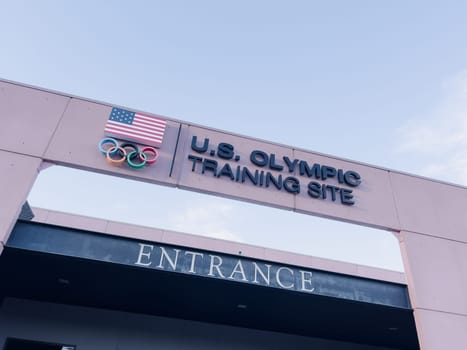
[122, 126]
[148, 120]
[153, 119]
[134, 138]
[150, 128]
[132, 132]
[149, 124]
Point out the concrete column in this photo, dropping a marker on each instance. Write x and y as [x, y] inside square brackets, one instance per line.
[436, 270]
[17, 175]
[433, 240]
[29, 119]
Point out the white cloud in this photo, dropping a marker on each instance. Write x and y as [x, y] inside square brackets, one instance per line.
[206, 218]
[440, 138]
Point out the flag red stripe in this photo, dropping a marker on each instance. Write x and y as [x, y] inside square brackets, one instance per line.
[143, 140]
[155, 119]
[134, 128]
[131, 132]
[149, 124]
[149, 128]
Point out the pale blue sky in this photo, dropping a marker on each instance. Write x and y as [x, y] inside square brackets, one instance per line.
[382, 82]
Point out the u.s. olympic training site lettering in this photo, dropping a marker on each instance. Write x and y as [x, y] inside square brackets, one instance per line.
[271, 171]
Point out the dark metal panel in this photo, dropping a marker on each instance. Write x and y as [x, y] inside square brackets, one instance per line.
[88, 245]
[48, 271]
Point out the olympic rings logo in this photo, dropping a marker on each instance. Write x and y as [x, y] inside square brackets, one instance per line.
[127, 152]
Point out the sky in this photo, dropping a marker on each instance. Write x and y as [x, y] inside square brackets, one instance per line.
[379, 82]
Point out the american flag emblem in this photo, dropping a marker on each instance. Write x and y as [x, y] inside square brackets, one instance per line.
[136, 127]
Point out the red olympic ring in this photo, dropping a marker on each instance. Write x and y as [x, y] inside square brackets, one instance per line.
[149, 150]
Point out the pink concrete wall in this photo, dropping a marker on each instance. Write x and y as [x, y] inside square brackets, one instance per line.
[436, 270]
[28, 120]
[434, 250]
[17, 175]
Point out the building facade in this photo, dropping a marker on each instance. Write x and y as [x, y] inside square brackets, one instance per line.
[293, 302]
